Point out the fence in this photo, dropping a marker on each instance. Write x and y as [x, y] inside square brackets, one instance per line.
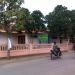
[29, 49]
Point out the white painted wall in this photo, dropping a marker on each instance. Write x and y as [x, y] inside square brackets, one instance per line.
[30, 40]
[3, 38]
[14, 39]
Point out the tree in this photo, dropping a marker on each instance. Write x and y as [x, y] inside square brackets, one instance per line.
[8, 15]
[23, 16]
[72, 26]
[72, 17]
[38, 24]
[58, 21]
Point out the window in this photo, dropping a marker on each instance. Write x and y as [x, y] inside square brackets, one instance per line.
[21, 39]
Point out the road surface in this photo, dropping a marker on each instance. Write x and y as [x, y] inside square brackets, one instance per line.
[41, 66]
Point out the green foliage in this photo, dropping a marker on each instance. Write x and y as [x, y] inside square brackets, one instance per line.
[19, 27]
[22, 16]
[34, 22]
[61, 22]
[58, 21]
[72, 16]
[8, 13]
[38, 21]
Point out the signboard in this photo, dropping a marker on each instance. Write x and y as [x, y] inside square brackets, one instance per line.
[43, 38]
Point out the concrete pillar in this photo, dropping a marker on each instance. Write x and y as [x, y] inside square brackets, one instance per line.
[26, 39]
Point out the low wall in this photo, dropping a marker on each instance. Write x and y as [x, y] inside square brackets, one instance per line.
[29, 49]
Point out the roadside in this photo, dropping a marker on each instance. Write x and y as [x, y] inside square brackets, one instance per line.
[21, 59]
[29, 57]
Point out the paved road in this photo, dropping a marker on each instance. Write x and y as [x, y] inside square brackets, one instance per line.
[42, 66]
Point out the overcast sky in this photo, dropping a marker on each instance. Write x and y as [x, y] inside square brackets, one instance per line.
[46, 6]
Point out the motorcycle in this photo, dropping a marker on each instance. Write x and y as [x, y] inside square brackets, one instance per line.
[55, 53]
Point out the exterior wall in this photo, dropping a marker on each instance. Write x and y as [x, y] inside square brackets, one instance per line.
[63, 40]
[30, 46]
[30, 40]
[27, 41]
[33, 40]
[14, 39]
[3, 38]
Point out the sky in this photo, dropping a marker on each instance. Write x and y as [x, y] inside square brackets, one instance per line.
[46, 6]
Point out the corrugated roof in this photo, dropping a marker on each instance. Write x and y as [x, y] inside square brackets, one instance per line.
[3, 31]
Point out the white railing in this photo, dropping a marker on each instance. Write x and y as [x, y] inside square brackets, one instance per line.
[20, 47]
[28, 49]
[40, 46]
